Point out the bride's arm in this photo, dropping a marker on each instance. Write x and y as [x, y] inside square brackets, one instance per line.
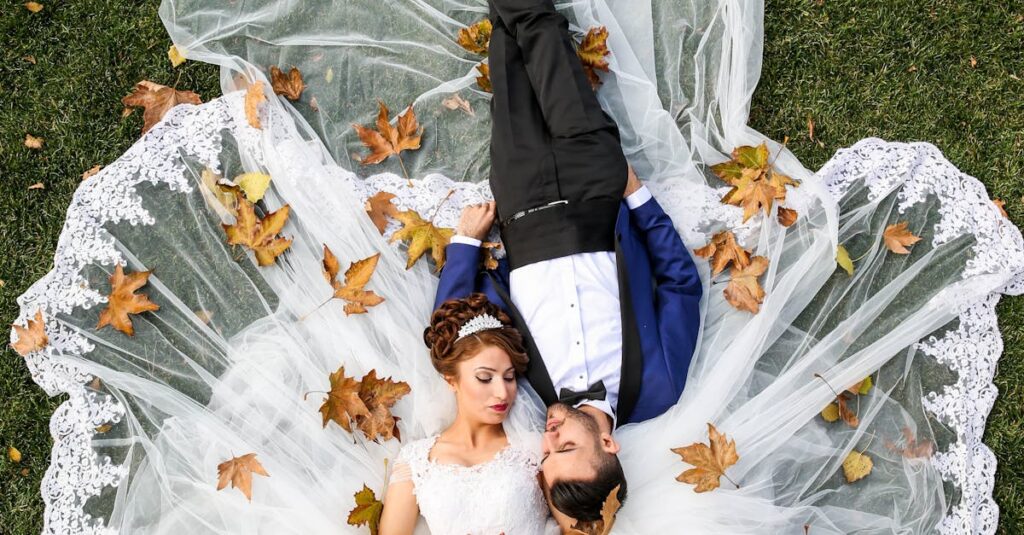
[400, 508]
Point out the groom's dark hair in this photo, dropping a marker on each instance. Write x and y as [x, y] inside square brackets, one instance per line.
[582, 499]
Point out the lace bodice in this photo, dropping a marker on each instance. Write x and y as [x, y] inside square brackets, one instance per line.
[498, 496]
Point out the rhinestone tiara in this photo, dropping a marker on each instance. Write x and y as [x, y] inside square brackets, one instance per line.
[479, 323]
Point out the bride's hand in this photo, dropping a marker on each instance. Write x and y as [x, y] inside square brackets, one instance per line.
[632, 182]
[476, 220]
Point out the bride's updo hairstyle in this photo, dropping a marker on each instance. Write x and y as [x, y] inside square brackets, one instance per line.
[447, 350]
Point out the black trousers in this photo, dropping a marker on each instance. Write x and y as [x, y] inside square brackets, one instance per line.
[557, 168]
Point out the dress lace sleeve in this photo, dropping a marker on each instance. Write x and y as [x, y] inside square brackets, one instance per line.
[400, 473]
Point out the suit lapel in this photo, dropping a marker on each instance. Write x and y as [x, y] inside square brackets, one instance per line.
[632, 352]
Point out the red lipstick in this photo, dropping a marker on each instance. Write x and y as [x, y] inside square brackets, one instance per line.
[500, 407]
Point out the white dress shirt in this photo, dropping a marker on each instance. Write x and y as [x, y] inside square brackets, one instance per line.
[571, 306]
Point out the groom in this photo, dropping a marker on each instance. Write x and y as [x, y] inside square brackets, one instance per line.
[596, 277]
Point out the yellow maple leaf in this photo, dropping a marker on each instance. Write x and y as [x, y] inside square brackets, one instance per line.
[843, 259]
[342, 404]
[787, 216]
[32, 337]
[259, 235]
[476, 38]
[484, 80]
[238, 471]
[356, 276]
[744, 291]
[367, 511]
[422, 236]
[380, 395]
[604, 525]
[123, 300]
[709, 462]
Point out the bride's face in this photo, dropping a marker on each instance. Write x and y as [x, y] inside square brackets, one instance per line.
[485, 386]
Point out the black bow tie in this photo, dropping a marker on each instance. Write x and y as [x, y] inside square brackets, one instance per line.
[595, 392]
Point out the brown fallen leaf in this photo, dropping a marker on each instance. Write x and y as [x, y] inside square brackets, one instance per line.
[484, 79]
[897, 237]
[592, 52]
[380, 395]
[30, 58]
[856, 466]
[123, 300]
[32, 337]
[974, 62]
[254, 96]
[367, 511]
[421, 236]
[34, 7]
[476, 38]
[456, 102]
[723, 250]
[356, 276]
[787, 216]
[911, 448]
[845, 413]
[342, 404]
[37, 185]
[490, 261]
[238, 471]
[609, 508]
[744, 291]
[259, 235]
[387, 140]
[156, 100]
[91, 171]
[103, 428]
[379, 207]
[1002, 207]
[33, 142]
[709, 462]
[289, 85]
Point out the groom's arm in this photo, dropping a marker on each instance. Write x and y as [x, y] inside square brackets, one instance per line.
[461, 275]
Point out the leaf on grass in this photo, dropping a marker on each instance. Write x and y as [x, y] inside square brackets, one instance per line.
[744, 291]
[123, 301]
[592, 52]
[897, 238]
[259, 235]
[37, 185]
[156, 100]
[91, 171]
[290, 85]
[254, 96]
[387, 140]
[484, 79]
[456, 102]
[254, 185]
[238, 471]
[356, 276]
[723, 250]
[843, 259]
[176, 55]
[856, 466]
[604, 526]
[367, 511]
[421, 236]
[33, 142]
[476, 38]
[34, 7]
[787, 216]
[32, 337]
[710, 462]
[379, 207]
[1002, 207]
[13, 454]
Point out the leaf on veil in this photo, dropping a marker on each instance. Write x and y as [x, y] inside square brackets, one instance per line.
[387, 140]
[592, 51]
[604, 526]
[1001, 205]
[254, 96]
[897, 237]
[379, 208]
[356, 277]
[219, 193]
[367, 403]
[254, 185]
[709, 462]
[422, 236]
[238, 471]
[259, 235]
[156, 100]
[844, 260]
[456, 102]
[343, 404]
[484, 80]
[367, 511]
[289, 85]
[856, 466]
[123, 300]
[32, 337]
[755, 183]
[911, 447]
[787, 216]
[476, 38]
[862, 387]
[744, 291]
[723, 250]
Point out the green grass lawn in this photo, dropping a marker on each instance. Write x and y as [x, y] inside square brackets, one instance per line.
[895, 69]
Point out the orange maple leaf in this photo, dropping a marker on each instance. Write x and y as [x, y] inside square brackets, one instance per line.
[342, 404]
[723, 250]
[254, 96]
[380, 395]
[379, 208]
[787, 216]
[604, 525]
[592, 52]
[476, 38]
[387, 140]
[289, 85]
[744, 291]
[484, 80]
[238, 471]
[259, 235]
[32, 337]
[123, 300]
[897, 237]
[156, 100]
[709, 462]
[356, 276]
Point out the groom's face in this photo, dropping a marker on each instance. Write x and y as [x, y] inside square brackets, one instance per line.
[572, 445]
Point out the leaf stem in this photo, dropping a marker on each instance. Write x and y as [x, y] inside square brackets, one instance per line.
[440, 204]
[404, 171]
[307, 314]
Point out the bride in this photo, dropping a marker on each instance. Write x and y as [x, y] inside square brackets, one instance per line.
[855, 395]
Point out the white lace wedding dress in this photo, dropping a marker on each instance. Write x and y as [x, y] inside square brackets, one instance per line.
[236, 359]
[497, 496]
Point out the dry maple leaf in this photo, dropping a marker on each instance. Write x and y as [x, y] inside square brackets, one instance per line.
[787, 216]
[259, 235]
[387, 140]
[356, 277]
[490, 261]
[254, 96]
[592, 51]
[421, 236]
[33, 142]
[221, 196]
[856, 466]
[289, 85]
[847, 415]
[484, 80]
[752, 194]
[604, 526]
[156, 100]
[744, 157]
[744, 291]
[723, 250]
[476, 38]
[123, 300]
[238, 471]
[912, 449]
[380, 395]
[342, 404]
[379, 208]
[1002, 207]
[367, 511]
[32, 337]
[897, 237]
[709, 462]
[91, 171]
[456, 102]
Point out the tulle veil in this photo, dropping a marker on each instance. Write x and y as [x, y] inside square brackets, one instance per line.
[225, 366]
